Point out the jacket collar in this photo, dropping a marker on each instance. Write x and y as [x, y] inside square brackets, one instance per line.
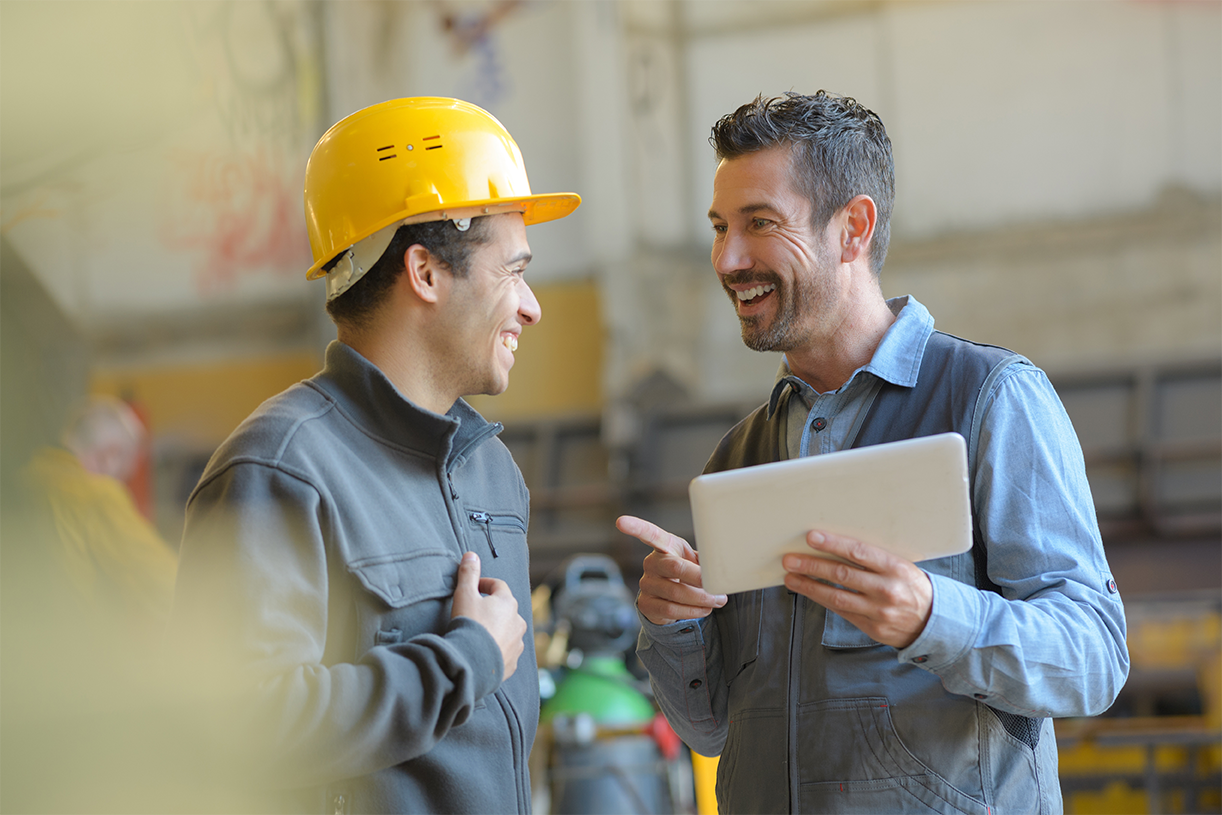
[363, 393]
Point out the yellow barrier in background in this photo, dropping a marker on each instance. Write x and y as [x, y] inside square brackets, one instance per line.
[705, 771]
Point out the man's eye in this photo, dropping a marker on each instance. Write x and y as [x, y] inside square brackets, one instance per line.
[719, 228]
[760, 223]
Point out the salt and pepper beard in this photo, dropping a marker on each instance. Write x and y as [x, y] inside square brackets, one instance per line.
[809, 291]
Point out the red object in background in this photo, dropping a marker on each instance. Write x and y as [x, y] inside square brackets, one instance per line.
[140, 485]
[665, 736]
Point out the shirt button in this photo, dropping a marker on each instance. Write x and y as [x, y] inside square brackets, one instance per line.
[819, 424]
[980, 696]
[1111, 586]
[689, 629]
[695, 684]
[920, 659]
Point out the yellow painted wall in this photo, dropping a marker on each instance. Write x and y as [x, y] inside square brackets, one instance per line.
[557, 370]
[202, 404]
[559, 363]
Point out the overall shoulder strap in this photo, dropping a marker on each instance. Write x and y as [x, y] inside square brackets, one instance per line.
[754, 440]
[954, 377]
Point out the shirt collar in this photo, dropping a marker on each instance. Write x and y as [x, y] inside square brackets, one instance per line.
[896, 360]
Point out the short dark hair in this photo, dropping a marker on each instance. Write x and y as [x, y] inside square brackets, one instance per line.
[443, 240]
[840, 150]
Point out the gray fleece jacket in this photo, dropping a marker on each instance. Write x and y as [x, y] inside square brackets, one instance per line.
[318, 564]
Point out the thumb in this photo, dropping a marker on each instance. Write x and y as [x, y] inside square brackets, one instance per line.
[467, 586]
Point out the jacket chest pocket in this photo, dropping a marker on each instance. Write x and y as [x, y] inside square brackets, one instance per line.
[839, 633]
[406, 593]
[502, 532]
[738, 626]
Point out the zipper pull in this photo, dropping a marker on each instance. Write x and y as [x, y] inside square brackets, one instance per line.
[486, 519]
[450, 481]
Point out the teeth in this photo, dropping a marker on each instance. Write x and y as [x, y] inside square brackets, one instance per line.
[751, 294]
[510, 342]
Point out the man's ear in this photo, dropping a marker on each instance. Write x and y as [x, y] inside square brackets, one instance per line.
[857, 228]
[421, 270]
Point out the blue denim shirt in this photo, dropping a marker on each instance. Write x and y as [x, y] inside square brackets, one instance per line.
[1050, 644]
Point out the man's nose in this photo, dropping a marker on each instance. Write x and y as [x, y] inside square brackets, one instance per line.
[730, 254]
[529, 310]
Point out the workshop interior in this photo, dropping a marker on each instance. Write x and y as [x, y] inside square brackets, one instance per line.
[1058, 192]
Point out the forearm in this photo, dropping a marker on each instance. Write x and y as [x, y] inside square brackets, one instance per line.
[1051, 655]
[256, 617]
[684, 664]
[316, 724]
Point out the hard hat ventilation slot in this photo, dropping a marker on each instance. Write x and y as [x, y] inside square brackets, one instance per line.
[432, 146]
[387, 147]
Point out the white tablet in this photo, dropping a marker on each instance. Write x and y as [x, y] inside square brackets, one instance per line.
[909, 497]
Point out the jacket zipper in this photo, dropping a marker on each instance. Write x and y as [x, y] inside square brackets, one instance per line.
[490, 520]
[487, 432]
[796, 630]
[519, 748]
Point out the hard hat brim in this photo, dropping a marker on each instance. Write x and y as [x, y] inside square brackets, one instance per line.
[535, 209]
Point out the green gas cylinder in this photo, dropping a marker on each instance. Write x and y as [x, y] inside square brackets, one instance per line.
[602, 759]
[602, 688]
[602, 762]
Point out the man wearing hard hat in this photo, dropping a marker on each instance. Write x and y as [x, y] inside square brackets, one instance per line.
[356, 550]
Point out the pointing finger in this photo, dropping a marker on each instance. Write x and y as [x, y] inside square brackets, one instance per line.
[656, 537]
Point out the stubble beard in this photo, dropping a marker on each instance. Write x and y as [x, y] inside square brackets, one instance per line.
[804, 296]
[781, 333]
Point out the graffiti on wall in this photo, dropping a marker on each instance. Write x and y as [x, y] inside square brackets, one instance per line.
[237, 205]
[237, 213]
[470, 32]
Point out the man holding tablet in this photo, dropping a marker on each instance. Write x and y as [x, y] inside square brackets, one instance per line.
[870, 683]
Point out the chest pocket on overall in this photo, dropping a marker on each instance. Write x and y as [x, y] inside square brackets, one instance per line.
[840, 633]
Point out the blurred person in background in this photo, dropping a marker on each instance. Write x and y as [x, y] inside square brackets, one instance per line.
[870, 683]
[354, 568]
[111, 560]
[87, 586]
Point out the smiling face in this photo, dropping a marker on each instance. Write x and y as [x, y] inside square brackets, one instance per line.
[486, 310]
[780, 273]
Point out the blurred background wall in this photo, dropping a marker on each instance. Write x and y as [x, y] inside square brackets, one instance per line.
[1058, 167]
[1059, 191]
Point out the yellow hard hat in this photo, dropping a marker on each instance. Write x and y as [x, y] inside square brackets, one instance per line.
[414, 160]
